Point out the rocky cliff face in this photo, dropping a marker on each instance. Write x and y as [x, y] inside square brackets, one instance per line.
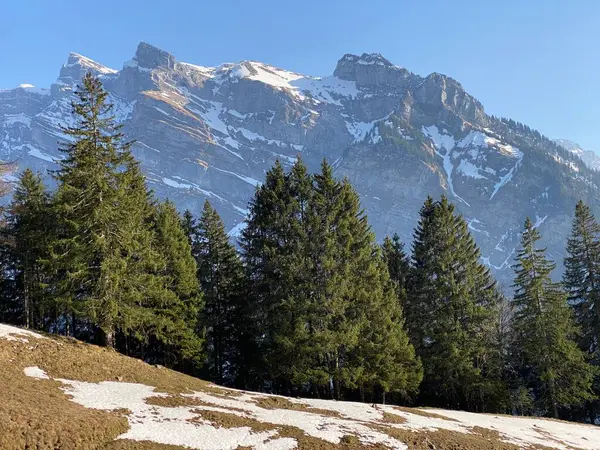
[212, 132]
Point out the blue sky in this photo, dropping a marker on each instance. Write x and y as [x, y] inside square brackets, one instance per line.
[537, 61]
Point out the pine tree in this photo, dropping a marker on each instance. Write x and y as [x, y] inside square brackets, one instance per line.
[582, 275]
[221, 276]
[582, 281]
[398, 264]
[319, 280]
[25, 238]
[552, 364]
[451, 308]
[86, 252]
[263, 243]
[177, 300]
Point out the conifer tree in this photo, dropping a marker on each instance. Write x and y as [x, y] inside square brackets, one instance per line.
[451, 307]
[26, 238]
[552, 364]
[398, 263]
[582, 275]
[177, 300]
[86, 252]
[221, 276]
[263, 243]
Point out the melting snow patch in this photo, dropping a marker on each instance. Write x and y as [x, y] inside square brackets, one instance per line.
[36, 372]
[16, 334]
[184, 425]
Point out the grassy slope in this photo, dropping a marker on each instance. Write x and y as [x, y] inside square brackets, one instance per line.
[38, 414]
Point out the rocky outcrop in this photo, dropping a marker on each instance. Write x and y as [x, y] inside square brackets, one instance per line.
[212, 132]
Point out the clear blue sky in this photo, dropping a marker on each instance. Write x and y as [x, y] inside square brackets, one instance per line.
[537, 61]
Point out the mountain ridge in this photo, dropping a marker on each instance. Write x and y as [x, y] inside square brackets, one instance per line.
[212, 132]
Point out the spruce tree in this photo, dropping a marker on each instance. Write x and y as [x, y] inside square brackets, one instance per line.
[177, 301]
[86, 252]
[451, 308]
[221, 276]
[582, 281]
[551, 362]
[398, 264]
[582, 275]
[26, 234]
[263, 243]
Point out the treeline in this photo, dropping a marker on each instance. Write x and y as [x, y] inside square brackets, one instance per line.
[310, 305]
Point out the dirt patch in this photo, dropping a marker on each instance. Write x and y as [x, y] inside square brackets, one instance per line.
[227, 420]
[36, 414]
[424, 413]
[275, 402]
[126, 444]
[393, 418]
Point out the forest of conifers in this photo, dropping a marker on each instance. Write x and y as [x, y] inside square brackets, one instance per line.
[307, 303]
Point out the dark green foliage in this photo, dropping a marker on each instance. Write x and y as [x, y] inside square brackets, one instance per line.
[221, 276]
[582, 275]
[451, 308]
[398, 264]
[176, 298]
[25, 241]
[552, 365]
[329, 317]
[582, 281]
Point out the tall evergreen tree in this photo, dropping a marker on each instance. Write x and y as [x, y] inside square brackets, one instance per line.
[398, 263]
[451, 308]
[221, 276]
[25, 241]
[319, 280]
[177, 301]
[582, 275]
[552, 364]
[86, 252]
[582, 281]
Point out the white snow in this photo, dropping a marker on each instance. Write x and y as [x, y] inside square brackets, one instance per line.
[184, 426]
[37, 153]
[539, 220]
[446, 142]
[175, 184]
[11, 333]
[531, 431]
[87, 62]
[36, 372]
[469, 169]
[236, 231]
[11, 119]
[249, 180]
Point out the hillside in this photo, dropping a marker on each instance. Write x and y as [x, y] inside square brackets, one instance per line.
[212, 132]
[58, 393]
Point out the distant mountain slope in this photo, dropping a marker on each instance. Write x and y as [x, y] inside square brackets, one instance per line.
[60, 393]
[589, 157]
[212, 132]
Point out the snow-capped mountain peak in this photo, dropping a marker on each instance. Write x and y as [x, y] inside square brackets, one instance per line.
[212, 132]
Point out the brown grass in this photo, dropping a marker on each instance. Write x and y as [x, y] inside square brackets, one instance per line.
[393, 418]
[275, 402]
[424, 413]
[37, 414]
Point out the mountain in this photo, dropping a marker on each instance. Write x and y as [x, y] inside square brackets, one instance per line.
[58, 393]
[589, 157]
[212, 132]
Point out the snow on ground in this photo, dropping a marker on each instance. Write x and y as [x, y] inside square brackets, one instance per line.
[17, 334]
[531, 431]
[36, 372]
[184, 425]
